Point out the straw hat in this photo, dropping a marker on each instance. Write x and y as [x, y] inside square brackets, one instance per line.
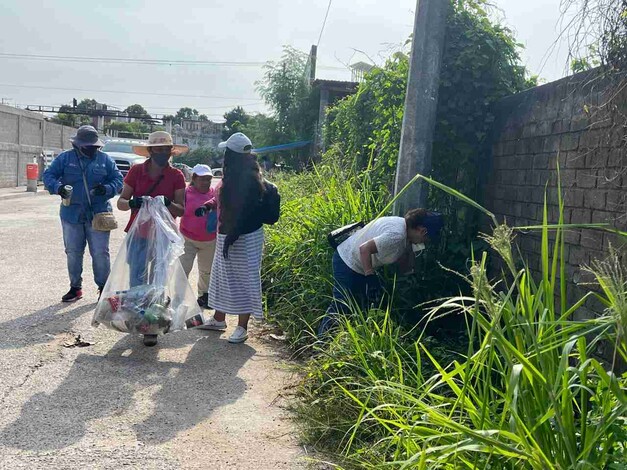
[159, 139]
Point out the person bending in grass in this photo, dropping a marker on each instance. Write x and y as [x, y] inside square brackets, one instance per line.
[385, 240]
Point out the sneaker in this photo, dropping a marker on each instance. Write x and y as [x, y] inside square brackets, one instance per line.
[74, 294]
[203, 300]
[213, 324]
[150, 340]
[239, 335]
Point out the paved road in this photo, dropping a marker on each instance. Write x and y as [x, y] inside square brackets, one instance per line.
[195, 401]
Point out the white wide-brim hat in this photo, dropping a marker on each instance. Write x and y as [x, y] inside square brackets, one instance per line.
[159, 139]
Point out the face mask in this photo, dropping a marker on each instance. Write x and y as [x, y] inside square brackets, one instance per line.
[88, 151]
[160, 159]
[417, 247]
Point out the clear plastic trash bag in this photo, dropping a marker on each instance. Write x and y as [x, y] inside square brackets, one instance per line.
[147, 291]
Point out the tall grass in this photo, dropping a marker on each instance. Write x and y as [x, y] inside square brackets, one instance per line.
[297, 265]
[527, 393]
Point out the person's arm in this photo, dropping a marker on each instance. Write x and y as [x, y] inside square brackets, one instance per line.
[210, 203]
[366, 250]
[406, 262]
[52, 175]
[114, 182]
[127, 194]
[177, 206]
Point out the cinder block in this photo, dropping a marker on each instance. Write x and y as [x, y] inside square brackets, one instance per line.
[586, 179]
[594, 199]
[569, 141]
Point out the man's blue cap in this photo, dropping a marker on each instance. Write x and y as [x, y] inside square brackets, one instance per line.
[433, 222]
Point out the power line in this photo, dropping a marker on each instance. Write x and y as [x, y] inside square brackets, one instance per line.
[121, 60]
[127, 92]
[163, 108]
[324, 24]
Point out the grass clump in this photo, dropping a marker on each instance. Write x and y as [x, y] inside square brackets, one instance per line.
[526, 392]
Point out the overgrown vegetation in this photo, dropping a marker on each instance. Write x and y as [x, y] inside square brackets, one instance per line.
[597, 32]
[528, 393]
[294, 103]
[480, 66]
[518, 386]
[297, 264]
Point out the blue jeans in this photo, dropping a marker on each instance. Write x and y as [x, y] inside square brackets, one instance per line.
[137, 258]
[75, 237]
[349, 288]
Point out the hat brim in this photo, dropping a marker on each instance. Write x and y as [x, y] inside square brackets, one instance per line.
[82, 143]
[143, 149]
[222, 145]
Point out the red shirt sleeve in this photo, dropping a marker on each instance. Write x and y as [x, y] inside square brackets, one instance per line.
[179, 181]
[131, 176]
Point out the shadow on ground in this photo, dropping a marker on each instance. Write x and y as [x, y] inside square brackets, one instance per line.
[41, 326]
[180, 394]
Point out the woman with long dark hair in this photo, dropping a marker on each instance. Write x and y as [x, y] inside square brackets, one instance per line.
[245, 202]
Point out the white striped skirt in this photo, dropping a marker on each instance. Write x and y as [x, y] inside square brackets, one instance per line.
[235, 284]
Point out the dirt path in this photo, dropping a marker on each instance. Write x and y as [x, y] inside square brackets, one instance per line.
[195, 401]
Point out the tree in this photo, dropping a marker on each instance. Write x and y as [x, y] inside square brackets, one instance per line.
[293, 102]
[262, 130]
[236, 120]
[205, 155]
[186, 113]
[132, 130]
[64, 118]
[67, 117]
[599, 25]
[137, 110]
[87, 104]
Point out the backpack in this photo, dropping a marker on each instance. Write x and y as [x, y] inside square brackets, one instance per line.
[270, 204]
[339, 235]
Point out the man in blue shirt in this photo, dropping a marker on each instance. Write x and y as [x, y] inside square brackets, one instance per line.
[104, 181]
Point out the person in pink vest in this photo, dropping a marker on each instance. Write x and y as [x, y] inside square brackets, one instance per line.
[199, 242]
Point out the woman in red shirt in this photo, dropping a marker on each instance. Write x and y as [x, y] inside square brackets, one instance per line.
[153, 178]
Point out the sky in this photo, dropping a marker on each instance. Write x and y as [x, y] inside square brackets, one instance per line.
[251, 32]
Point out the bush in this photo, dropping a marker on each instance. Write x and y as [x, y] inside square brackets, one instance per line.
[527, 394]
[297, 263]
[480, 65]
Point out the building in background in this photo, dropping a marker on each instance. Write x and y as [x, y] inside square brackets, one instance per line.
[196, 133]
[27, 137]
[331, 91]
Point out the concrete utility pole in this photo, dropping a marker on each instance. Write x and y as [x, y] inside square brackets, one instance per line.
[421, 102]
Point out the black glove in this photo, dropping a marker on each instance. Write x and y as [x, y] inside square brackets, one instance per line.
[373, 290]
[135, 202]
[201, 211]
[166, 201]
[63, 192]
[99, 190]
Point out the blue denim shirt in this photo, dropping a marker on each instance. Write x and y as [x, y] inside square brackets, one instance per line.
[66, 169]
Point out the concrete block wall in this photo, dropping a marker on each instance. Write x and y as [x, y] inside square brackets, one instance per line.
[580, 123]
[23, 135]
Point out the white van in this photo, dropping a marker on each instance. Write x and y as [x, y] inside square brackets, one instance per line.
[121, 150]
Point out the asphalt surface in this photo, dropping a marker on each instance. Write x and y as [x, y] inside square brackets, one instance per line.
[194, 401]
